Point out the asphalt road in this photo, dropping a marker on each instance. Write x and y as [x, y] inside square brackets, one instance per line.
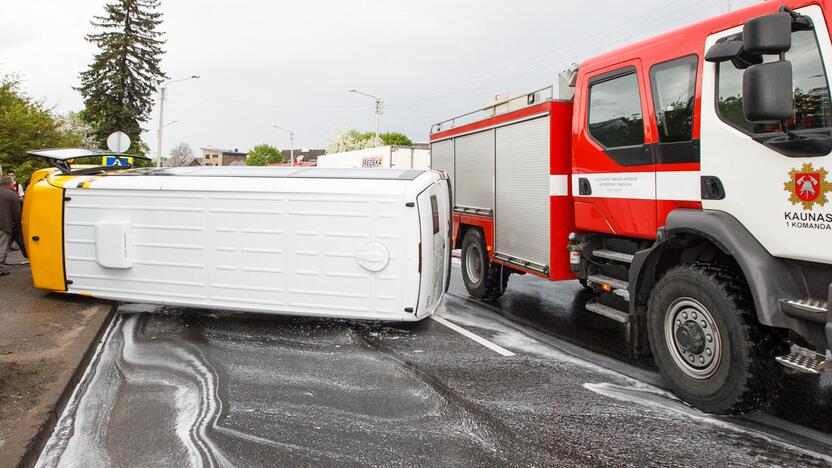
[557, 310]
[176, 387]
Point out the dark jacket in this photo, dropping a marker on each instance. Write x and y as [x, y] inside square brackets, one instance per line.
[9, 210]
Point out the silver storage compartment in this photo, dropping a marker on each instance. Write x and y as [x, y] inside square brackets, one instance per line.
[521, 221]
[442, 158]
[474, 157]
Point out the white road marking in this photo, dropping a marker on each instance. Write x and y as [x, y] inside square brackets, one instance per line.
[496, 348]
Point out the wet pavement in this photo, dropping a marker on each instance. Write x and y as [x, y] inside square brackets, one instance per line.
[176, 387]
[557, 309]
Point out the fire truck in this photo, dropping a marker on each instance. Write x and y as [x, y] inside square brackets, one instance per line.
[685, 181]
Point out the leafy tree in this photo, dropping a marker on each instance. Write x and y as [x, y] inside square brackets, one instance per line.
[393, 138]
[81, 133]
[263, 155]
[347, 139]
[27, 124]
[118, 86]
[180, 155]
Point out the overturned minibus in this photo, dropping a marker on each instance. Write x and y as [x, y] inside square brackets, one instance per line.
[347, 243]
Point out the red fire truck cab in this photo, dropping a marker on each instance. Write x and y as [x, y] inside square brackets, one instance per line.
[684, 179]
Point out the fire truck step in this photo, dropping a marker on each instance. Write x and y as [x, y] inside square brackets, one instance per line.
[613, 255]
[804, 360]
[814, 310]
[614, 285]
[607, 311]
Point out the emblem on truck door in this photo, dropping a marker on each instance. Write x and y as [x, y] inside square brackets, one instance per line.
[808, 186]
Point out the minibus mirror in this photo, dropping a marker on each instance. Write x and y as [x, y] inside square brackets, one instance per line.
[767, 92]
[769, 34]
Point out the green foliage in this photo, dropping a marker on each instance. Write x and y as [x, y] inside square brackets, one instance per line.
[118, 86]
[25, 170]
[390, 138]
[26, 124]
[263, 155]
[347, 139]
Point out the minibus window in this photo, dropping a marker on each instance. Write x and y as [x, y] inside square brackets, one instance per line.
[434, 208]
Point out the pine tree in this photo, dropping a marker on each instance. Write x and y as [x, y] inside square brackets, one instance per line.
[118, 86]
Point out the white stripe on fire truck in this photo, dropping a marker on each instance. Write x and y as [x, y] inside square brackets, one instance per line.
[558, 185]
[676, 185]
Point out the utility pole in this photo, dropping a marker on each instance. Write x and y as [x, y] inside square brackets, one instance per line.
[379, 106]
[163, 89]
[291, 144]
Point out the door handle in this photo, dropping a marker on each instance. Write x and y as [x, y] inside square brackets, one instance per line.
[712, 188]
[584, 188]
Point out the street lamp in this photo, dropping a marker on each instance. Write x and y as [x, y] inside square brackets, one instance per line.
[162, 93]
[379, 105]
[291, 144]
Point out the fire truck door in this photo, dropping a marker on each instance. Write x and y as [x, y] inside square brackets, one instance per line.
[614, 182]
[782, 199]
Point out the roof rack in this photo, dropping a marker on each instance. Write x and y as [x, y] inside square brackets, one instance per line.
[532, 98]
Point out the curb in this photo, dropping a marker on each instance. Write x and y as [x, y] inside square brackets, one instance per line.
[38, 442]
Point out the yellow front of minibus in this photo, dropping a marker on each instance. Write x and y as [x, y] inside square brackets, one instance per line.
[43, 229]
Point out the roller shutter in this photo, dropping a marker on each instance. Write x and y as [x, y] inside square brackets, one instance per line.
[522, 184]
[474, 157]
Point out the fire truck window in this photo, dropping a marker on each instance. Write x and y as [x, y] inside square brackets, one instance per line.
[615, 117]
[812, 105]
[674, 84]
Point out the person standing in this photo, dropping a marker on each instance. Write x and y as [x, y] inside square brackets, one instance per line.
[9, 217]
[17, 235]
[15, 184]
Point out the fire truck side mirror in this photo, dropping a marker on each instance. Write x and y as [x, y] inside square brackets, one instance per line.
[723, 51]
[767, 92]
[769, 34]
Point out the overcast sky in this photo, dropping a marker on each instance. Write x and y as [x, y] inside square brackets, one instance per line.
[291, 62]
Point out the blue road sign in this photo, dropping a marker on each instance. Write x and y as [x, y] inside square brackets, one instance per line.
[114, 161]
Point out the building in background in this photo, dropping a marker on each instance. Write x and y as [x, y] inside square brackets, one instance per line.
[221, 157]
[309, 155]
[191, 162]
[402, 157]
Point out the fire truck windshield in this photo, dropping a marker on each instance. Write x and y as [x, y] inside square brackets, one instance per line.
[811, 89]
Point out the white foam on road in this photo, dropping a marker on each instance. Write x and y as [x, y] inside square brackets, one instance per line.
[473, 336]
[58, 442]
[657, 399]
[634, 391]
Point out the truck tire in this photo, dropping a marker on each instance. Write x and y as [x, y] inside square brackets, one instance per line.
[483, 280]
[707, 342]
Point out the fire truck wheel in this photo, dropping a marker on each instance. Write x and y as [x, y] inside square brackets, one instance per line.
[707, 342]
[483, 280]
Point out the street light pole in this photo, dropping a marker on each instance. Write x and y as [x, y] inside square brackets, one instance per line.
[379, 106]
[291, 144]
[161, 126]
[162, 94]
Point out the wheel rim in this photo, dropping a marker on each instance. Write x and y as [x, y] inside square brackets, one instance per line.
[693, 338]
[473, 262]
